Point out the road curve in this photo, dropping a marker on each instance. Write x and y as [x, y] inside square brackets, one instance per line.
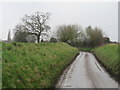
[86, 72]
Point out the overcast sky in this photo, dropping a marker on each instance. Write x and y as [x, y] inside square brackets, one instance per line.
[100, 14]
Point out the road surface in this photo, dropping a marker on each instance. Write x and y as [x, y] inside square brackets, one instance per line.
[86, 72]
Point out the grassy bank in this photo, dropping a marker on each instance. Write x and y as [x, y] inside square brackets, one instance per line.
[85, 49]
[34, 65]
[108, 56]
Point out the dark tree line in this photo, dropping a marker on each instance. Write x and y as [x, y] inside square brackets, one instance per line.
[75, 36]
[35, 26]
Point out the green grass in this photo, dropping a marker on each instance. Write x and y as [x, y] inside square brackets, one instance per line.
[108, 55]
[34, 65]
[85, 49]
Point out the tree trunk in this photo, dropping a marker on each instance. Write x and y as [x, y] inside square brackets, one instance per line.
[38, 39]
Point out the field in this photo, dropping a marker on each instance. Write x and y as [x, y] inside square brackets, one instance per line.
[108, 56]
[34, 65]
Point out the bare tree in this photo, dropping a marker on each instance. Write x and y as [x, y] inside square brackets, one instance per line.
[31, 38]
[36, 24]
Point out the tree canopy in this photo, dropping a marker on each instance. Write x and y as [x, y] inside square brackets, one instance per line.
[35, 24]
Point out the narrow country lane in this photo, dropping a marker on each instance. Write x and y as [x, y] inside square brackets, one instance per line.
[86, 72]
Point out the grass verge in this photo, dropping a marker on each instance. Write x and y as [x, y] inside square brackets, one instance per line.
[34, 65]
[108, 57]
[85, 49]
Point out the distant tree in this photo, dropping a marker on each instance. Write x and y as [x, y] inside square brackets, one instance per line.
[106, 40]
[68, 33]
[36, 24]
[53, 40]
[19, 34]
[9, 36]
[94, 36]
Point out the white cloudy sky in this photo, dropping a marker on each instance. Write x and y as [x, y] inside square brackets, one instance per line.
[101, 14]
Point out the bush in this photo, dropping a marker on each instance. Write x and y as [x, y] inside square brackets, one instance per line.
[54, 40]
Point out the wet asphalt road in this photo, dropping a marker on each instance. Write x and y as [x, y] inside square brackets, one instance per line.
[86, 72]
